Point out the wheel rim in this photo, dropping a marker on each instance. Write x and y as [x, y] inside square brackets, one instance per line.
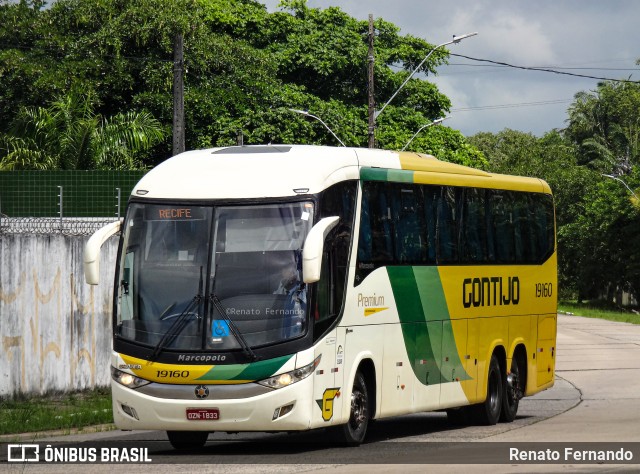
[513, 385]
[358, 410]
[494, 398]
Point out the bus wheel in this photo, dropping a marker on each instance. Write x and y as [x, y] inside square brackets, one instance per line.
[488, 413]
[187, 440]
[355, 430]
[513, 391]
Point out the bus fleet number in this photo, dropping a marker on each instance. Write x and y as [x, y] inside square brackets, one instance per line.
[172, 374]
[544, 290]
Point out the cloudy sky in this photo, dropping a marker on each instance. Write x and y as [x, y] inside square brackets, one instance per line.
[589, 37]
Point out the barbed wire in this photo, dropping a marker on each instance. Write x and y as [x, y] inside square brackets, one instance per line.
[53, 225]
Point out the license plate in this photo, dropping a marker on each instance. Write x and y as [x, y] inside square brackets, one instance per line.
[206, 414]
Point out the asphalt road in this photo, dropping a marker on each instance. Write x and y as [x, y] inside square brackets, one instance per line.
[596, 399]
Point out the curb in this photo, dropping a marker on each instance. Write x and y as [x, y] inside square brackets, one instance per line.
[62, 432]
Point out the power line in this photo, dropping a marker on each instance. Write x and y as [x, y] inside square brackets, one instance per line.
[554, 67]
[515, 105]
[542, 69]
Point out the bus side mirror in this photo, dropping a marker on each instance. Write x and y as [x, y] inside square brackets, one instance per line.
[92, 251]
[313, 248]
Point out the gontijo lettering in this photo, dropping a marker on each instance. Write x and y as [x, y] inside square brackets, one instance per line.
[490, 291]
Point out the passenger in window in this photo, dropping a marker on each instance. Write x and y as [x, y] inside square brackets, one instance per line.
[289, 281]
[295, 304]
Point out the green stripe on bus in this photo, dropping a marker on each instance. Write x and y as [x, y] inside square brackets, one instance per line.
[400, 176]
[373, 174]
[254, 371]
[422, 309]
[382, 174]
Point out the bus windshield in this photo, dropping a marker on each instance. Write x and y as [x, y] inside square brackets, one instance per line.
[230, 275]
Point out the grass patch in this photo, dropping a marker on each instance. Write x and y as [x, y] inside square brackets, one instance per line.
[597, 311]
[56, 412]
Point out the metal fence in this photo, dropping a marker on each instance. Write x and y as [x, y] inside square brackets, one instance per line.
[63, 202]
[65, 193]
[52, 225]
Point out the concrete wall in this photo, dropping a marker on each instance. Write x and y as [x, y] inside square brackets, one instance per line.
[55, 330]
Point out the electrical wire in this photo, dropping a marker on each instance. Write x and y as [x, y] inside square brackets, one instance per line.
[511, 106]
[543, 69]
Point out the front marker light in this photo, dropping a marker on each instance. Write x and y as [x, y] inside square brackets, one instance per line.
[288, 378]
[128, 380]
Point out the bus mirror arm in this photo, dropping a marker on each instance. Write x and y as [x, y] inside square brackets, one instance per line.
[92, 251]
[313, 248]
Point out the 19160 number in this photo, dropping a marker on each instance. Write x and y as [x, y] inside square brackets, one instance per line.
[172, 374]
[544, 290]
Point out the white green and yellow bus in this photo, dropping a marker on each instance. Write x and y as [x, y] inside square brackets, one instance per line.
[287, 287]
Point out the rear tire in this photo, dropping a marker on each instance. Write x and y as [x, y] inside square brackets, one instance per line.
[488, 413]
[354, 432]
[187, 440]
[513, 391]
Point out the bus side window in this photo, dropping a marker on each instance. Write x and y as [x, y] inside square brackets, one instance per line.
[375, 241]
[474, 232]
[322, 313]
[431, 194]
[522, 228]
[542, 221]
[331, 286]
[408, 225]
[365, 242]
[381, 226]
[338, 200]
[447, 224]
[502, 210]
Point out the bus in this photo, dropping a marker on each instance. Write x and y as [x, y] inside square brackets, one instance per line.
[280, 288]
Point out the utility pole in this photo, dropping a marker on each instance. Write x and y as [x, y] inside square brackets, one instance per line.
[372, 102]
[178, 95]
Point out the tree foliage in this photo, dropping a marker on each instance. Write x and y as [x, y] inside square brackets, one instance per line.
[245, 67]
[70, 135]
[605, 124]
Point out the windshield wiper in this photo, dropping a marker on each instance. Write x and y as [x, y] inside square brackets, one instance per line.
[179, 324]
[232, 327]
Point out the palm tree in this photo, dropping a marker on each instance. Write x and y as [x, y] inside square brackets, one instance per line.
[68, 134]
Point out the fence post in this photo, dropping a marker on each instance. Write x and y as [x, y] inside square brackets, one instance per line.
[118, 204]
[60, 206]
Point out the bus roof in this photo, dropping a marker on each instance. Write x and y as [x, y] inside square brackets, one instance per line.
[263, 171]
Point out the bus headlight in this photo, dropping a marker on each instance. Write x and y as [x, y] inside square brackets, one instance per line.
[128, 380]
[288, 378]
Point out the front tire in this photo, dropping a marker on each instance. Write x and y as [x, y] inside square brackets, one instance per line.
[354, 432]
[187, 440]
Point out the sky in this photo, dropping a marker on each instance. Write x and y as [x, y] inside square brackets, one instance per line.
[589, 37]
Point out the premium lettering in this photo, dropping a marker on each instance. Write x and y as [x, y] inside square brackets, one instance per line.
[367, 301]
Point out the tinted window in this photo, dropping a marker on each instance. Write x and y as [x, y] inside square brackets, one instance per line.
[445, 225]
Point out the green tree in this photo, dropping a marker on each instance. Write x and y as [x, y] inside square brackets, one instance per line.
[244, 67]
[68, 134]
[605, 125]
